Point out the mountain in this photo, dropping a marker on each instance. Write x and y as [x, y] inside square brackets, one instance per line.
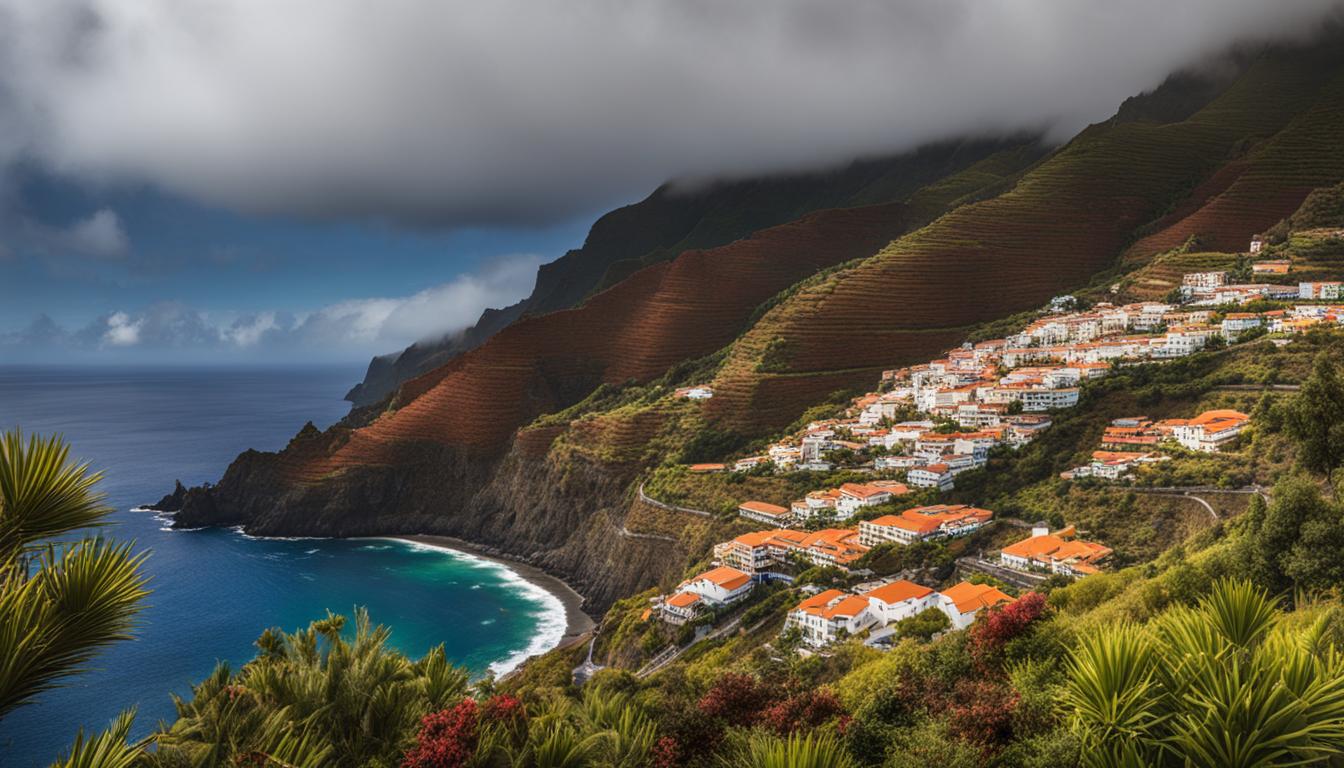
[680, 217]
[534, 442]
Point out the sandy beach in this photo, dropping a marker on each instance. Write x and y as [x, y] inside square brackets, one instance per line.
[577, 623]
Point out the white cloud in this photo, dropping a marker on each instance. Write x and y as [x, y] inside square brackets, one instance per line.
[122, 331]
[347, 330]
[515, 110]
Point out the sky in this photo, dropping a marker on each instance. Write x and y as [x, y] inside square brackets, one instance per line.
[311, 180]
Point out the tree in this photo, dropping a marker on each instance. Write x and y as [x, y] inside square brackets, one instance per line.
[346, 702]
[1315, 418]
[1297, 540]
[59, 603]
[1224, 684]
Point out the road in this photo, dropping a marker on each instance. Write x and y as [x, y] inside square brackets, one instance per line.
[669, 507]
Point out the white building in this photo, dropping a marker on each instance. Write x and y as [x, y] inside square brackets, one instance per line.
[899, 600]
[962, 602]
[761, 512]
[828, 616]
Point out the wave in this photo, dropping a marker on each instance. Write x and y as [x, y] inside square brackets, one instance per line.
[550, 615]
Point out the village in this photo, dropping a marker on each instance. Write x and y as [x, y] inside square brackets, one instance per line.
[928, 423]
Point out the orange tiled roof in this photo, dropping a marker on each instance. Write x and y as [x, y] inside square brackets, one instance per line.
[724, 577]
[764, 508]
[967, 597]
[898, 591]
[683, 600]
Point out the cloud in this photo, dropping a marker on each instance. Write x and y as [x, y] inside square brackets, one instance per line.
[513, 111]
[348, 330]
[99, 235]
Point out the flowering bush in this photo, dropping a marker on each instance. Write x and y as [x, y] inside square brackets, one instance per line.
[1006, 623]
[981, 711]
[446, 739]
[801, 712]
[736, 699]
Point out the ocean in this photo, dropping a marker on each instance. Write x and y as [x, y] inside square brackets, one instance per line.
[214, 591]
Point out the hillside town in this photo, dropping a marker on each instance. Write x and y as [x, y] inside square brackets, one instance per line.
[928, 423]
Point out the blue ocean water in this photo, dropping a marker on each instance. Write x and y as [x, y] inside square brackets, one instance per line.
[214, 591]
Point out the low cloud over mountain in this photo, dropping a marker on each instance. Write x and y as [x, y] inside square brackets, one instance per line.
[520, 112]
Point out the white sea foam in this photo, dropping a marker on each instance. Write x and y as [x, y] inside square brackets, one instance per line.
[552, 621]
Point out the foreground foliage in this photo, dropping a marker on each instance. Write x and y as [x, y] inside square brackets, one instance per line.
[1228, 683]
[59, 603]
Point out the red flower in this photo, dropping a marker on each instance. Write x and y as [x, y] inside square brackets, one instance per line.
[446, 739]
[1005, 623]
[666, 753]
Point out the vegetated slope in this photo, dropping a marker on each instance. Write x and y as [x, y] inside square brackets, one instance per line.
[661, 315]
[1065, 220]
[677, 218]
[1251, 194]
[1312, 238]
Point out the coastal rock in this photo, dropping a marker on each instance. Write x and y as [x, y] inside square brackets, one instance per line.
[172, 502]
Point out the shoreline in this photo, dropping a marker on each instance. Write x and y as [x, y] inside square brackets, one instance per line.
[577, 622]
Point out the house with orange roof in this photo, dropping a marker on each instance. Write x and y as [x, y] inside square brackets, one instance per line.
[899, 600]
[961, 602]
[829, 616]
[1060, 552]
[701, 469]
[762, 512]
[938, 521]
[856, 496]
[836, 547]
[1209, 431]
[1112, 465]
[714, 588]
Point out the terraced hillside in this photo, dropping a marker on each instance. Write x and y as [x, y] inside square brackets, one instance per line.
[676, 218]
[663, 314]
[1275, 131]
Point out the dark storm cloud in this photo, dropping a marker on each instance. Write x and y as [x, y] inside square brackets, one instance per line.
[523, 111]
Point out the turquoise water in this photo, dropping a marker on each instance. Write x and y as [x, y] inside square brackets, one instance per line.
[214, 591]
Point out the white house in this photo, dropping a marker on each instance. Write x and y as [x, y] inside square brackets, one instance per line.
[899, 600]
[770, 514]
[1330, 290]
[856, 496]
[1210, 431]
[938, 476]
[1237, 323]
[1060, 552]
[826, 616]
[695, 393]
[1045, 399]
[719, 586]
[961, 602]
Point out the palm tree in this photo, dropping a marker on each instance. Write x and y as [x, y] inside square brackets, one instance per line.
[1225, 684]
[313, 698]
[59, 604]
[796, 751]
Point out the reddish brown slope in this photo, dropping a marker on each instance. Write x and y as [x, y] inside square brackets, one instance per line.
[1248, 197]
[661, 315]
[1067, 219]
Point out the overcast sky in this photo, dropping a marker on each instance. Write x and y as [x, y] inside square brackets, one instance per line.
[315, 146]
